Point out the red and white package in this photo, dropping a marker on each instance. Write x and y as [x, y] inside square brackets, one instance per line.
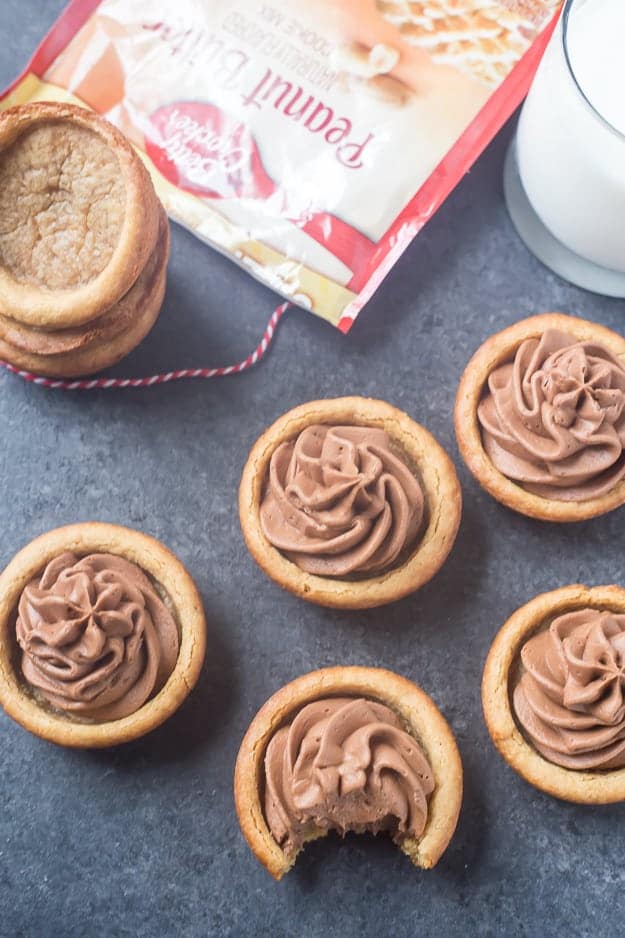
[308, 141]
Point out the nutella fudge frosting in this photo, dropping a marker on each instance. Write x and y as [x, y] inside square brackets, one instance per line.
[570, 699]
[97, 639]
[339, 501]
[345, 764]
[553, 418]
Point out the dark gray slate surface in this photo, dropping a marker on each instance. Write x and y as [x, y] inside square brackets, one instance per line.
[143, 840]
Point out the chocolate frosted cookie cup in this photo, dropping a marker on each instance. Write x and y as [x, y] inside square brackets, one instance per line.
[540, 418]
[102, 635]
[553, 693]
[348, 749]
[349, 503]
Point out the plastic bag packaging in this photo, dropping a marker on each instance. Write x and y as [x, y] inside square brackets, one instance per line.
[308, 141]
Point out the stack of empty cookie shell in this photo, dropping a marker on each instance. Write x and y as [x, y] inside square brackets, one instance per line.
[84, 242]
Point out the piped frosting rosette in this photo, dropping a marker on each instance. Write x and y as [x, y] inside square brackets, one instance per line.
[553, 418]
[345, 764]
[97, 639]
[339, 501]
[553, 693]
[570, 699]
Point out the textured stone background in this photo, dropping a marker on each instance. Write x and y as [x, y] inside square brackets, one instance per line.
[143, 840]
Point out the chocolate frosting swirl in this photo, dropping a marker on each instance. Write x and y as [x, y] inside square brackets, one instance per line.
[97, 639]
[570, 699]
[553, 418]
[340, 501]
[345, 764]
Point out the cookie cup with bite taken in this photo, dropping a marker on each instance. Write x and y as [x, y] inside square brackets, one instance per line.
[348, 748]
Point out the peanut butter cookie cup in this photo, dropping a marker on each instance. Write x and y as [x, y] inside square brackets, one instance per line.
[553, 693]
[349, 503]
[78, 215]
[348, 749]
[84, 350]
[84, 242]
[102, 635]
[540, 418]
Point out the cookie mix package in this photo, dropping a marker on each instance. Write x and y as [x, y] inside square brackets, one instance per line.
[308, 141]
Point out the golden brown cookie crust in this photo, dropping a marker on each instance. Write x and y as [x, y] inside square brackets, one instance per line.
[112, 323]
[183, 598]
[140, 308]
[437, 475]
[422, 719]
[495, 351]
[567, 784]
[35, 305]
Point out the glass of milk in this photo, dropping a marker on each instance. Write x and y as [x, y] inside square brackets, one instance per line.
[564, 178]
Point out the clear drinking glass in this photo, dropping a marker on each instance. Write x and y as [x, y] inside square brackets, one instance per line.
[564, 177]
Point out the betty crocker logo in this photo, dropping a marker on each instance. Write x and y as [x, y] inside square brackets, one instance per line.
[203, 150]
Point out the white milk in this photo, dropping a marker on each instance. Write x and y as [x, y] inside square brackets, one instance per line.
[571, 162]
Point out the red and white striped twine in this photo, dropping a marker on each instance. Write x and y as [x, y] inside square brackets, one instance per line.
[90, 384]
